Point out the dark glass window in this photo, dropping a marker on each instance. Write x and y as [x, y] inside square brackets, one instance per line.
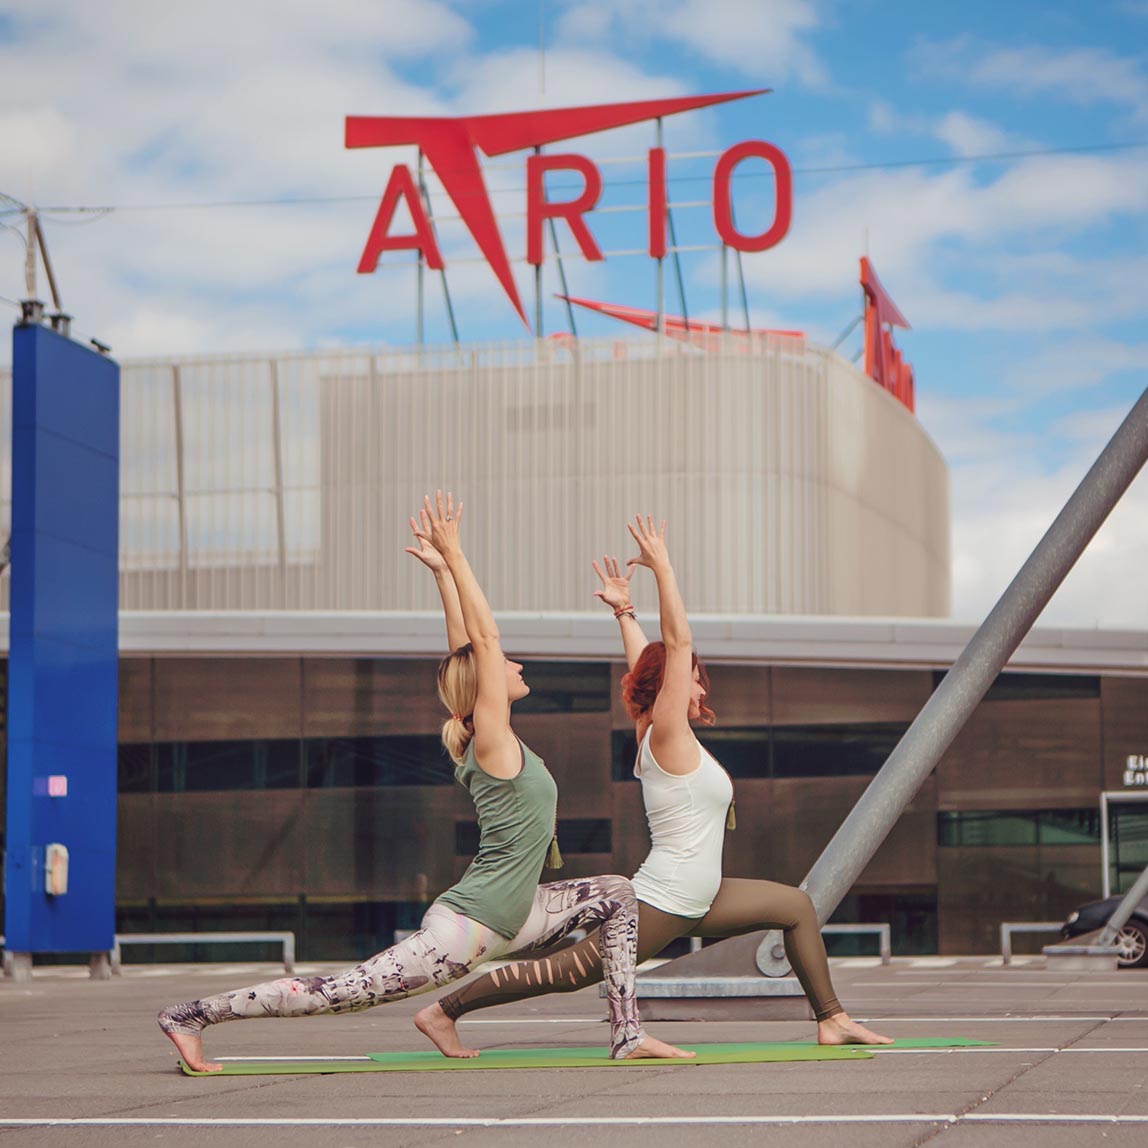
[134, 768]
[201, 766]
[987, 827]
[576, 835]
[781, 751]
[833, 750]
[1012, 686]
[741, 752]
[623, 754]
[565, 687]
[193, 766]
[1019, 827]
[409, 759]
[910, 912]
[585, 835]
[1069, 827]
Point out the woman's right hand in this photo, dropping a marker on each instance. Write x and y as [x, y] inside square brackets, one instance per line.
[652, 551]
[615, 590]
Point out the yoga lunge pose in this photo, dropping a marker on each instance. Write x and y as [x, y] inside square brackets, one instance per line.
[497, 908]
[689, 805]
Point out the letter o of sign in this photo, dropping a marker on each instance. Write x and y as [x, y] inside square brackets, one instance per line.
[723, 211]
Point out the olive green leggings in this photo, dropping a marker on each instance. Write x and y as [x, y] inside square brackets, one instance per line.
[741, 906]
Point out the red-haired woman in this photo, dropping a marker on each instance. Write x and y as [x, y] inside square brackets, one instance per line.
[689, 803]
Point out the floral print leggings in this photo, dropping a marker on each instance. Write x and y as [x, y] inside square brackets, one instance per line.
[446, 947]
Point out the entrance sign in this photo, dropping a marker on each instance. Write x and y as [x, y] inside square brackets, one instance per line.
[1136, 771]
[451, 146]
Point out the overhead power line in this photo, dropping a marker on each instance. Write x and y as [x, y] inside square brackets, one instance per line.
[827, 169]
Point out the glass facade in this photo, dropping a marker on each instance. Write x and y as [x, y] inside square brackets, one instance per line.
[829, 750]
[313, 793]
[1019, 827]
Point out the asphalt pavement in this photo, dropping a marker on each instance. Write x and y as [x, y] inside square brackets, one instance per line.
[82, 1063]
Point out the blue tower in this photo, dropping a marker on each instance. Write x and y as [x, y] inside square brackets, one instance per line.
[59, 876]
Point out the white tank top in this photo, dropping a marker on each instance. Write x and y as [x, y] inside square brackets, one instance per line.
[687, 815]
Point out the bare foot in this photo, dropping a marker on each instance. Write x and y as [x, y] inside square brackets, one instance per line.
[650, 1048]
[839, 1029]
[191, 1049]
[433, 1023]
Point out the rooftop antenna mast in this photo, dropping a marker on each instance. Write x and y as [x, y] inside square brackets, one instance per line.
[31, 307]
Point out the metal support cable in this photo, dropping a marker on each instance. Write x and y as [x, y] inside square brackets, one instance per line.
[445, 285]
[562, 278]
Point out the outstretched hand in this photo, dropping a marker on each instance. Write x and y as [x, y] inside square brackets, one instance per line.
[424, 551]
[652, 551]
[440, 522]
[615, 590]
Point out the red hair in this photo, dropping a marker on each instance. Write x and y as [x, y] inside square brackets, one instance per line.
[641, 685]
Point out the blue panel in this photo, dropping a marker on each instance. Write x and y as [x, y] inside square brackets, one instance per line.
[76, 390]
[58, 602]
[84, 508]
[63, 650]
[65, 698]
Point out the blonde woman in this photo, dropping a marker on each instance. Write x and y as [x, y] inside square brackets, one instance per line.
[497, 908]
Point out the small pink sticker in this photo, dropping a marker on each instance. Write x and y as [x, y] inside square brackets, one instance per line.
[58, 785]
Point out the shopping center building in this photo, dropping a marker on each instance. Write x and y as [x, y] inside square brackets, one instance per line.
[280, 764]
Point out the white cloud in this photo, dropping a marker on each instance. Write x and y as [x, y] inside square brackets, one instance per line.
[922, 226]
[965, 135]
[758, 38]
[968, 135]
[1007, 489]
[1000, 516]
[1082, 76]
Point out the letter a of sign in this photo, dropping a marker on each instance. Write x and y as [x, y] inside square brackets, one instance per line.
[400, 186]
[451, 146]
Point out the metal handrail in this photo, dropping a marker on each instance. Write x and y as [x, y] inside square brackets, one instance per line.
[1010, 927]
[287, 940]
[883, 930]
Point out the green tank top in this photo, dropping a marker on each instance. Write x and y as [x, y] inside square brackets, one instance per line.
[516, 825]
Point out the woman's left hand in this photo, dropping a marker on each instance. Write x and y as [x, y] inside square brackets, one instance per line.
[440, 522]
[425, 552]
[652, 551]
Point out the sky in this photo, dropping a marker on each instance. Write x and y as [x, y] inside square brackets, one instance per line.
[992, 160]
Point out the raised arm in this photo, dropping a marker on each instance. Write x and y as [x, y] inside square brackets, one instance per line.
[672, 741]
[444, 580]
[496, 749]
[615, 593]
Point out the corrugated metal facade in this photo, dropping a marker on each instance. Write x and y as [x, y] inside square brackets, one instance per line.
[792, 483]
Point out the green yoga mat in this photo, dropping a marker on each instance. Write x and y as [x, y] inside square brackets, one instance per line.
[431, 1061]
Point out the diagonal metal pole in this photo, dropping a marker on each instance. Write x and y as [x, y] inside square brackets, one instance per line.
[1123, 911]
[954, 700]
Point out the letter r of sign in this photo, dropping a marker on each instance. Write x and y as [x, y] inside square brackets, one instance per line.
[451, 147]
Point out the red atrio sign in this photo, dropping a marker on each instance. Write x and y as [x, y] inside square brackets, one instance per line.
[883, 361]
[452, 145]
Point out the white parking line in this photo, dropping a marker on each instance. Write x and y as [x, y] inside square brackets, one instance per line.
[564, 1121]
[990, 1019]
[884, 1051]
[535, 1020]
[972, 984]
